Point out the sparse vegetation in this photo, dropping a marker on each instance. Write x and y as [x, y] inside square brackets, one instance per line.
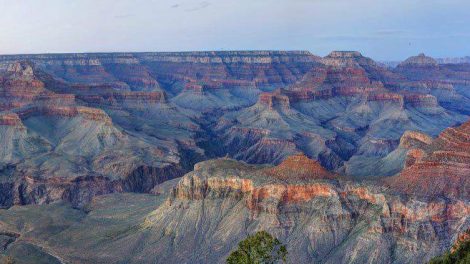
[260, 248]
[461, 255]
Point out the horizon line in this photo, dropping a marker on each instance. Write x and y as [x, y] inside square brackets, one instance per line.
[212, 51]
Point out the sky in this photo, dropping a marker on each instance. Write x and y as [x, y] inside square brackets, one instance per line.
[381, 29]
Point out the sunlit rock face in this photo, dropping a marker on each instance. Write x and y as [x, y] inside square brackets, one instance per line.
[440, 167]
[321, 217]
[201, 217]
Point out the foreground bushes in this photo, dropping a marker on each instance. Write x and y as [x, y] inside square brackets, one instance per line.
[461, 255]
[259, 248]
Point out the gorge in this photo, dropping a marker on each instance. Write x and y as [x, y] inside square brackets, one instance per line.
[176, 157]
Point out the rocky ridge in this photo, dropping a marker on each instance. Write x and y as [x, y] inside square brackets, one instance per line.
[170, 110]
[86, 128]
[439, 167]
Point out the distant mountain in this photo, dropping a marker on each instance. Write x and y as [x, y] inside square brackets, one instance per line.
[465, 59]
[390, 64]
[450, 60]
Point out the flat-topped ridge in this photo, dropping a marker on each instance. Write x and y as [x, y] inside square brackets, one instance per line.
[163, 53]
[203, 57]
[344, 54]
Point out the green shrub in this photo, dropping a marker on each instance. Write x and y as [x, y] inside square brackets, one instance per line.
[459, 256]
[259, 248]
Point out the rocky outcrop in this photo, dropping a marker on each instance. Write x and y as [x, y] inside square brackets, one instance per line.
[93, 114]
[421, 67]
[421, 100]
[419, 61]
[120, 100]
[342, 58]
[145, 71]
[273, 100]
[462, 238]
[344, 73]
[299, 167]
[193, 87]
[438, 168]
[405, 229]
[193, 187]
[413, 139]
[115, 113]
[55, 147]
[386, 97]
[20, 80]
[10, 119]
[80, 190]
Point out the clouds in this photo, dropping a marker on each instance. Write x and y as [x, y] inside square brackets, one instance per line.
[198, 6]
[381, 29]
[191, 7]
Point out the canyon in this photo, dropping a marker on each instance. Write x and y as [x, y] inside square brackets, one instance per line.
[177, 156]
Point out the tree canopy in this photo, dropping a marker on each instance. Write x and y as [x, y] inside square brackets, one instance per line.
[260, 248]
[461, 254]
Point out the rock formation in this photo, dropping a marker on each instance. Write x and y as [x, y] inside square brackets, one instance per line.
[87, 128]
[440, 167]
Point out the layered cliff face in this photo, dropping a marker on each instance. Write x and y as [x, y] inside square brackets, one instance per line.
[119, 115]
[440, 167]
[145, 71]
[447, 82]
[419, 67]
[269, 131]
[56, 148]
[84, 128]
[21, 84]
[64, 153]
[200, 218]
[348, 113]
[321, 218]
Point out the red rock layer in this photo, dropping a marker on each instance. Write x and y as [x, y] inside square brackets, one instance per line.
[441, 168]
[195, 188]
[21, 85]
[305, 94]
[195, 88]
[299, 167]
[413, 139]
[10, 119]
[93, 114]
[420, 100]
[344, 74]
[386, 96]
[119, 98]
[396, 214]
[462, 238]
[9, 105]
[274, 99]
